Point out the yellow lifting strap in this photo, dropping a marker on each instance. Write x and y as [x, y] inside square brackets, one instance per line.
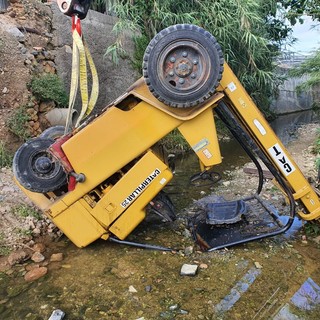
[80, 56]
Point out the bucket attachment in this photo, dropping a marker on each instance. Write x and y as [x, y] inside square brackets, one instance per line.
[225, 212]
[224, 224]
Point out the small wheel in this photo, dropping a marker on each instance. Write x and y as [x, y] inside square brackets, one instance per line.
[35, 169]
[54, 132]
[183, 65]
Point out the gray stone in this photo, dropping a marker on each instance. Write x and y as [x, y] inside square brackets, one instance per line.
[148, 288]
[37, 257]
[189, 270]
[188, 250]
[14, 31]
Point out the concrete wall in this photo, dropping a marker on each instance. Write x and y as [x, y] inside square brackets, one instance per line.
[288, 100]
[97, 30]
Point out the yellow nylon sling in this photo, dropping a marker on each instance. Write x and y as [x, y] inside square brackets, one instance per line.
[80, 56]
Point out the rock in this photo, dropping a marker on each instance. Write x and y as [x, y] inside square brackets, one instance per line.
[35, 274]
[226, 183]
[36, 231]
[57, 315]
[31, 266]
[186, 233]
[39, 247]
[148, 288]
[257, 265]
[14, 31]
[189, 270]
[46, 106]
[188, 250]
[56, 257]
[317, 240]
[37, 257]
[18, 257]
[203, 266]
[7, 189]
[132, 289]
[68, 49]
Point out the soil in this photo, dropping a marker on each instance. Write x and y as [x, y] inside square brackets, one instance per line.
[23, 27]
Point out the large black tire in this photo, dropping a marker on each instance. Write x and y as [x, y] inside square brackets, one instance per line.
[54, 132]
[35, 169]
[183, 65]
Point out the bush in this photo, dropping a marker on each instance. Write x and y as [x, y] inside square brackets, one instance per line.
[18, 123]
[49, 87]
[5, 156]
[24, 211]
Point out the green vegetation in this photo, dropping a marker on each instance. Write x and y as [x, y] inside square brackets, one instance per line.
[248, 31]
[98, 5]
[316, 149]
[24, 211]
[24, 232]
[18, 122]
[46, 87]
[49, 87]
[5, 156]
[174, 142]
[296, 8]
[312, 228]
[4, 248]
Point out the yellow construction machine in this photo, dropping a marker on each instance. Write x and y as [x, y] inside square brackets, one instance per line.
[100, 178]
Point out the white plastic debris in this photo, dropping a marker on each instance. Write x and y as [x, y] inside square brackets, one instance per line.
[57, 315]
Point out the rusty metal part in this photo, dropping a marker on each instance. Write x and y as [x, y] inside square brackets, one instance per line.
[184, 65]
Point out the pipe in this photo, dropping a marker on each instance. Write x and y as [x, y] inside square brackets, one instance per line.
[58, 116]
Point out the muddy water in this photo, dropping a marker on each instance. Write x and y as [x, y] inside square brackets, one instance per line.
[277, 278]
[253, 281]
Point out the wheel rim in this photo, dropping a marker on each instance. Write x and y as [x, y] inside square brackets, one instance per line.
[183, 66]
[41, 165]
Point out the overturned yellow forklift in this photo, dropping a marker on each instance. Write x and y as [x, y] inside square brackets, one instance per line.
[100, 178]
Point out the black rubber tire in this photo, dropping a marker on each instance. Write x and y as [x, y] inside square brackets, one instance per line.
[29, 176]
[54, 132]
[200, 72]
[163, 207]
